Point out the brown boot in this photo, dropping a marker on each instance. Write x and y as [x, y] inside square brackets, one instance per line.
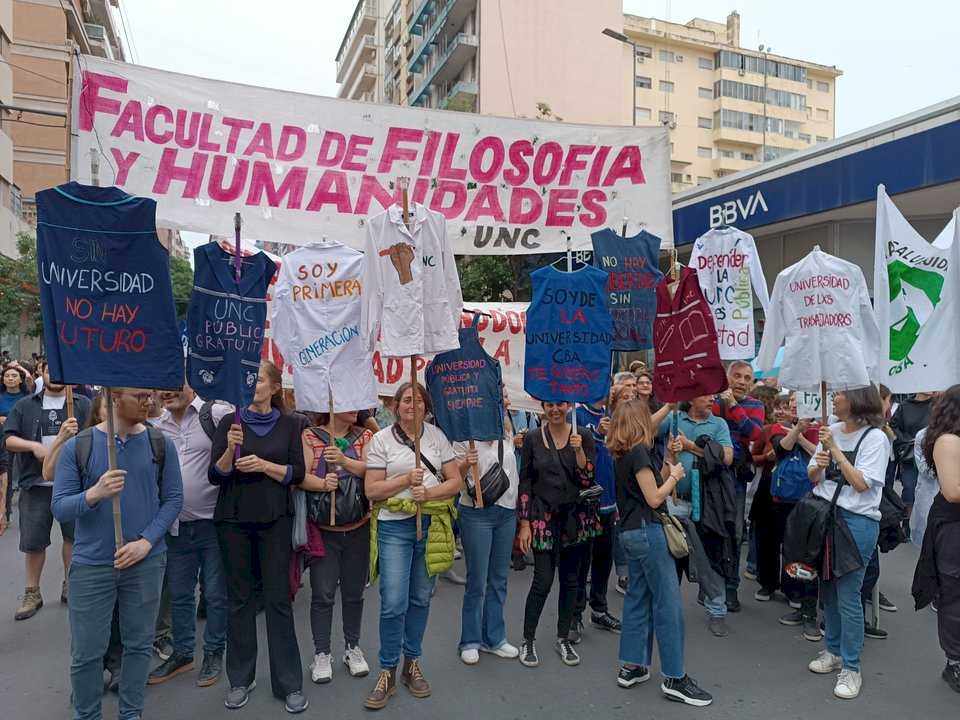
[32, 602]
[414, 680]
[385, 687]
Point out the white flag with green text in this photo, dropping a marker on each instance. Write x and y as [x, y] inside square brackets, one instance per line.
[915, 297]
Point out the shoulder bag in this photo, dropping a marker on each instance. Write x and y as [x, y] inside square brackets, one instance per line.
[493, 483]
[674, 533]
[351, 503]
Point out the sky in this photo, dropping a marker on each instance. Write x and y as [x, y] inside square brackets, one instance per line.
[895, 56]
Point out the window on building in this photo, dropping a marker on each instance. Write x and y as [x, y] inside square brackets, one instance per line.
[755, 93]
[704, 152]
[823, 114]
[702, 179]
[805, 137]
[644, 82]
[746, 156]
[773, 152]
[644, 51]
[726, 153]
[705, 93]
[666, 86]
[822, 139]
[666, 117]
[755, 64]
[667, 56]
[823, 86]
[705, 122]
[642, 113]
[705, 63]
[676, 177]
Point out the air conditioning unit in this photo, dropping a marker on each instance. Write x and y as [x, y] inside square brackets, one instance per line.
[95, 32]
[679, 58]
[741, 72]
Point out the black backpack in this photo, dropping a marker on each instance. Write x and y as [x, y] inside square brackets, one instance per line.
[206, 419]
[84, 449]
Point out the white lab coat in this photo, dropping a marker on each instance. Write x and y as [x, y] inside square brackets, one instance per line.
[315, 321]
[821, 308]
[422, 315]
[728, 266]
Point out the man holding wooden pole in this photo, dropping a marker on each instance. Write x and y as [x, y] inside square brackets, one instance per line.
[148, 483]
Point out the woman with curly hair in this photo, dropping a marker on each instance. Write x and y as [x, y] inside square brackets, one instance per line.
[937, 577]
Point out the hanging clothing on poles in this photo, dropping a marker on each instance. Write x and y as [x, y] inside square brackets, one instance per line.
[315, 322]
[225, 324]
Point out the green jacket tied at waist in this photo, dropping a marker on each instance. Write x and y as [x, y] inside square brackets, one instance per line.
[440, 540]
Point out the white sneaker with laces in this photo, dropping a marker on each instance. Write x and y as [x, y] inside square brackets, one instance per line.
[506, 651]
[321, 671]
[826, 662]
[355, 661]
[848, 684]
[470, 657]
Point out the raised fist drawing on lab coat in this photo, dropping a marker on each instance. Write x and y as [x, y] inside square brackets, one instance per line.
[401, 255]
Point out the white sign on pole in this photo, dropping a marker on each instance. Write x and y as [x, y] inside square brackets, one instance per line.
[299, 165]
[808, 405]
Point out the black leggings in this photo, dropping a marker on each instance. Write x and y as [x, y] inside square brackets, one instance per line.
[598, 564]
[565, 563]
[344, 564]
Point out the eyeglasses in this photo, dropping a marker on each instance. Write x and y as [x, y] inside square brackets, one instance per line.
[143, 397]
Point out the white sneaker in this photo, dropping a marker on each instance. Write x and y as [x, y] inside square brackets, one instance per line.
[826, 662]
[506, 650]
[470, 657]
[322, 669]
[355, 661]
[848, 684]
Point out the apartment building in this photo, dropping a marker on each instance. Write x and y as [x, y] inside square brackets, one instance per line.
[727, 107]
[9, 192]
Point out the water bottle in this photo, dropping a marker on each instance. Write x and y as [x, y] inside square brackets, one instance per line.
[695, 494]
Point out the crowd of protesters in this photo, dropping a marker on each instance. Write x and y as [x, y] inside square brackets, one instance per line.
[235, 505]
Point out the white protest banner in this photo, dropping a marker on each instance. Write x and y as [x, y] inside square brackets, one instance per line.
[915, 290]
[808, 405]
[299, 165]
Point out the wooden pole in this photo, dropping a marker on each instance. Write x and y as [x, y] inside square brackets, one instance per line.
[823, 404]
[573, 415]
[475, 469]
[333, 441]
[112, 464]
[69, 401]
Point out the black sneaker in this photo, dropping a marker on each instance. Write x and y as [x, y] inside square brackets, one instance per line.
[163, 648]
[528, 654]
[237, 697]
[792, 619]
[811, 630]
[175, 665]
[718, 627]
[733, 602]
[575, 635]
[874, 632]
[566, 652]
[685, 690]
[210, 670]
[295, 703]
[951, 673]
[885, 604]
[764, 595]
[605, 621]
[630, 676]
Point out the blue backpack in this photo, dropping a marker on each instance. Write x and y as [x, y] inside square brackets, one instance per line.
[790, 481]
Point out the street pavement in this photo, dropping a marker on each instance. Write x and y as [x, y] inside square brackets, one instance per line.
[759, 671]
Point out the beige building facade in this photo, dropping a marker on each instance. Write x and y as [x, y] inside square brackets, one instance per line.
[9, 192]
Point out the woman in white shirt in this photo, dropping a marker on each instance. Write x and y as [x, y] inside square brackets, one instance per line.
[408, 573]
[487, 534]
[852, 452]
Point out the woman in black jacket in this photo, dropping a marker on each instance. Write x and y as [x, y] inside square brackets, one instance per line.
[556, 465]
[255, 463]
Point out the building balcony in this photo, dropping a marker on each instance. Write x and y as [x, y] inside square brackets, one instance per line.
[732, 164]
[749, 138]
[419, 16]
[365, 83]
[448, 17]
[363, 23]
[463, 97]
[449, 65]
[364, 50]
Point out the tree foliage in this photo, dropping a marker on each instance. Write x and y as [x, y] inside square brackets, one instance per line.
[181, 275]
[19, 293]
[494, 278]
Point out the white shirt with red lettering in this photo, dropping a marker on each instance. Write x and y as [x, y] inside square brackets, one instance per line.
[315, 321]
[729, 271]
[821, 312]
[411, 290]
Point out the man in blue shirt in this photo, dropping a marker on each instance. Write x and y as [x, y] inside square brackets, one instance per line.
[151, 496]
[700, 420]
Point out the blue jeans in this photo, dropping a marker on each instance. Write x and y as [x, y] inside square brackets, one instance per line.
[487, 537]
[652, 605]
[196, 551]
[619, 558]
[93, 591]
[842, 608]
[405, 589]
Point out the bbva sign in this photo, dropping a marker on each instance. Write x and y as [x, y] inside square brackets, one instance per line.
[732, 211]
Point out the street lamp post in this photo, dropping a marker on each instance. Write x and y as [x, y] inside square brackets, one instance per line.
[627, 41]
